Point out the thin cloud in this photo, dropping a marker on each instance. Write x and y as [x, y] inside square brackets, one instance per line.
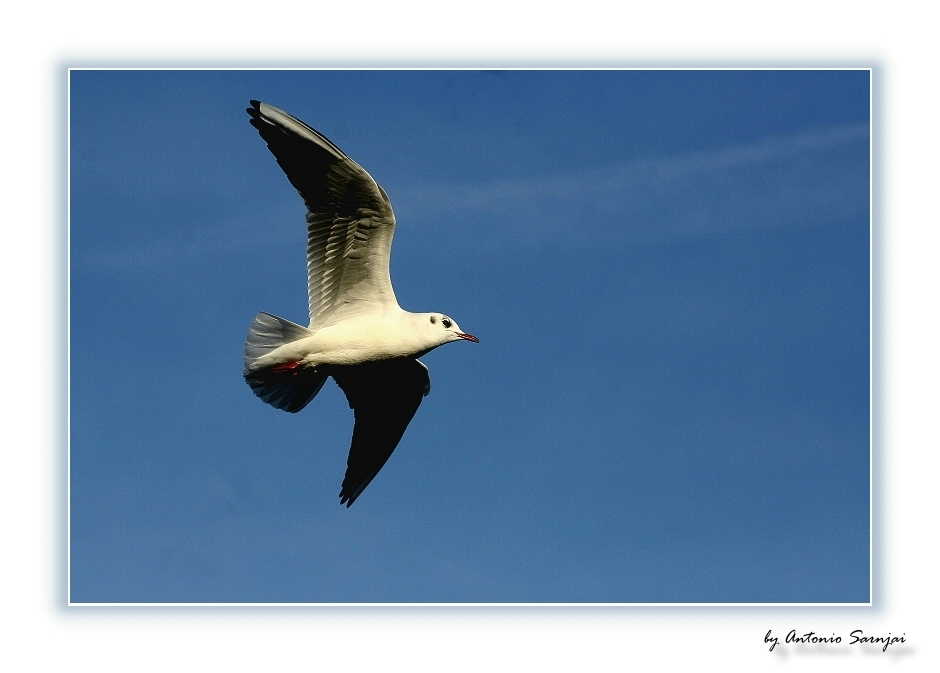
[813, 177]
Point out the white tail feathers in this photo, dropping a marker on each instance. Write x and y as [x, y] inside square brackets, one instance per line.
[283, 387]
[268, 332]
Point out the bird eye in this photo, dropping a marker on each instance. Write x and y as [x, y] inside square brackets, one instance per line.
[433, 320]
[445, 322]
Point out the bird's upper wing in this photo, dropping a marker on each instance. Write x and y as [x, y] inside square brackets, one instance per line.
[350, 222]
[384, 396]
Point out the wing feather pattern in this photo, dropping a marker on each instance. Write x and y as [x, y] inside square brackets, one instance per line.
[384, 396]
[350, 222]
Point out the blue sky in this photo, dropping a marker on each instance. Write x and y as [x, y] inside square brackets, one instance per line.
[668, 272]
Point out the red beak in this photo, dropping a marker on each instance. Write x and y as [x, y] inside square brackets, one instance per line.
[468, 337]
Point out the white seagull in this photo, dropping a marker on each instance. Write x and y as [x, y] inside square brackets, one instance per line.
[358, 334]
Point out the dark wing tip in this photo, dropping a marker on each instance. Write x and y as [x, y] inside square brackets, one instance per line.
[351, 491]
[254, 112]
[348, 495]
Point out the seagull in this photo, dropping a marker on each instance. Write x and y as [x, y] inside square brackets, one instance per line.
[358, 334]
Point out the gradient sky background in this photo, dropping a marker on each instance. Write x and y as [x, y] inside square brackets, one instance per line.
[668, 272]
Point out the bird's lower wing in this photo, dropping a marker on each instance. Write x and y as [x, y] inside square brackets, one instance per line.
[384, 396]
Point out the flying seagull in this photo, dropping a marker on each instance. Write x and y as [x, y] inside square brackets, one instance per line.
[358, 334]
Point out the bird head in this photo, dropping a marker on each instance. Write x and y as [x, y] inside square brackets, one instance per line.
[446, 330]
